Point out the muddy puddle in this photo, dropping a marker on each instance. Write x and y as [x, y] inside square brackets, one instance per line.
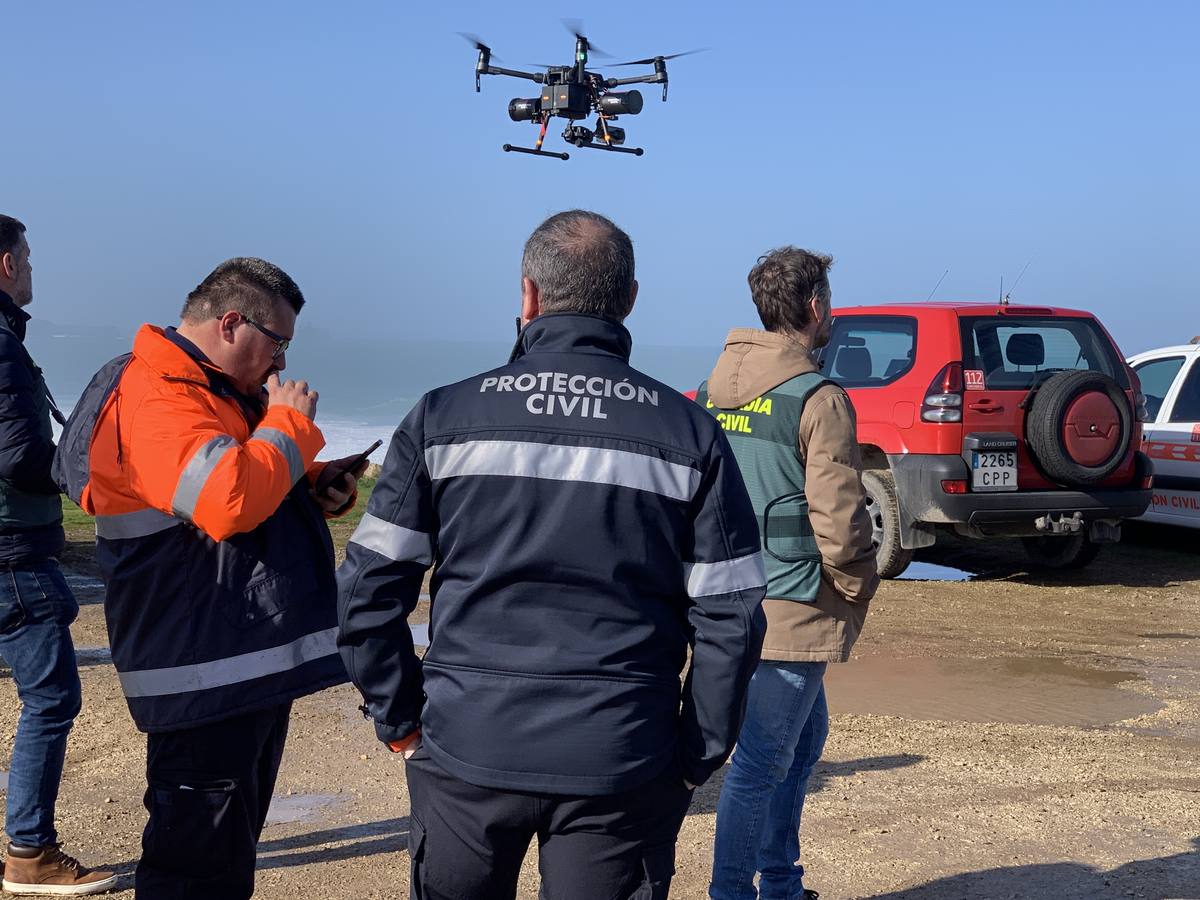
[1040, 691]
[288, 808]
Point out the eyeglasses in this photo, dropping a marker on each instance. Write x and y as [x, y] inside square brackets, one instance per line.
[281, 343]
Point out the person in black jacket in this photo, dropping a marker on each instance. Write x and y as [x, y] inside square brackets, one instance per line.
[36, 606]
[586, 525]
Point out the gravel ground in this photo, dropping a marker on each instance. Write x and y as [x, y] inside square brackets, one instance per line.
[1016, 735]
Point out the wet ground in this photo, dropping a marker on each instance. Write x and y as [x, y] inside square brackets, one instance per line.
[1013, 735]
[1037, 691]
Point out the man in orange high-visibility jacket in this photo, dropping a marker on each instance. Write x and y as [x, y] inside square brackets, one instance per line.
[198, 463]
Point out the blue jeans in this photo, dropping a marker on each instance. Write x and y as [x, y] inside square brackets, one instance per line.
[758, 815]
[36, 610]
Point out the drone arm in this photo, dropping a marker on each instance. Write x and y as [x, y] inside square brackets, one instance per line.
[539, 77]
[656, 78]
[659, 77]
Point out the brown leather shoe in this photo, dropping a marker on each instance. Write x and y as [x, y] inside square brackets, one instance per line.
[47, 871]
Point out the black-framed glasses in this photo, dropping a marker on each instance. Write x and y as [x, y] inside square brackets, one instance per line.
[281, 343]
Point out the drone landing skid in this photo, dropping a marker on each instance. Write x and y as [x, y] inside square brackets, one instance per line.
[509, 148]
[636, 151]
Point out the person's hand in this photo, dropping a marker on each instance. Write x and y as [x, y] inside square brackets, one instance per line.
[336, 469]
[335, 485]
[410, 751]
[335, 495]
[291, 393]
[687, 784]
[408, 746]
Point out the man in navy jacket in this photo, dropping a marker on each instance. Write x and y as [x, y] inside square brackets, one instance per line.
[586, 525]
[36, 606]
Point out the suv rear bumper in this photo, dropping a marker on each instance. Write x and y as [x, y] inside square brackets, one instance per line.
[919, 480]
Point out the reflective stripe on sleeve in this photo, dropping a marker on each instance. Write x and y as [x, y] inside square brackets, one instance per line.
[195, 474]
[741, 574]
[231, 670]
[396, 542]
[559, 462]
[284, 444]
[134, 524]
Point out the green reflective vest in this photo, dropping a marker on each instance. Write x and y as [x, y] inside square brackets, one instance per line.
[764, 436]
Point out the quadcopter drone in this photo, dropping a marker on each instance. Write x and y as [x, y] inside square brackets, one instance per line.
[574, 93]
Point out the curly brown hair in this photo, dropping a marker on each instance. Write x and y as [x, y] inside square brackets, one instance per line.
[782, 284]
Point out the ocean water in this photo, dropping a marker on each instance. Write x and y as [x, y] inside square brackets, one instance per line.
[345, 437]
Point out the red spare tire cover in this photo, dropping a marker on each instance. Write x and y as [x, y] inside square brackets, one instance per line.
[1091, 428]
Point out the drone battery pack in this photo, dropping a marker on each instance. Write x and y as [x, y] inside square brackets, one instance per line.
[570, 100]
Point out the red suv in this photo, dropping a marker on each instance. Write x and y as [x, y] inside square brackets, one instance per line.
[991, 420]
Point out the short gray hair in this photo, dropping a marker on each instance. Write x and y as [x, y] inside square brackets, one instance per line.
[581, 263]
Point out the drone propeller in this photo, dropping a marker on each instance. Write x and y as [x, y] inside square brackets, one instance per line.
[475, 41]
[575, 26]
[653, 59]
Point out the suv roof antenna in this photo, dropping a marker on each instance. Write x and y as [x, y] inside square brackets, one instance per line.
[1004, 298]
[936, 286]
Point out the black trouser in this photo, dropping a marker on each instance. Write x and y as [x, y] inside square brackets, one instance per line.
[208, 792]
[467, 842]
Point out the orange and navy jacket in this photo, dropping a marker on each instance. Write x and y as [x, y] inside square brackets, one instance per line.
[218, 563]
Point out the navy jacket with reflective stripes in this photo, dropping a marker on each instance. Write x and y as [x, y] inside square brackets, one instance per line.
[585, 525]
[201, 629]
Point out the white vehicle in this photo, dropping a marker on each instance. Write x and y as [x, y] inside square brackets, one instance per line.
[1170, 380]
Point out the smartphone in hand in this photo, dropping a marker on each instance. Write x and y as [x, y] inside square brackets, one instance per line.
[333, 472]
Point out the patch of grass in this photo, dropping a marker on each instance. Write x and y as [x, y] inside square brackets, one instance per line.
[75, 518]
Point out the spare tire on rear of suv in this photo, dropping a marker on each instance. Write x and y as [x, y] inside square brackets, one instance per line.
[1078, 427]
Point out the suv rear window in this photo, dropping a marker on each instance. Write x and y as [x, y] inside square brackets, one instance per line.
[1015, 353]
[869, 351]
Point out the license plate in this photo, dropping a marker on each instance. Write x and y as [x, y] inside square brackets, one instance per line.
[993, 470]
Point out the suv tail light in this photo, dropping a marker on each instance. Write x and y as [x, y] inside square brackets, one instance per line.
[943, 398]
[1140, 412]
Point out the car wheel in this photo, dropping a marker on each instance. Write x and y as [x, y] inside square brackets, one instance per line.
[1072, 552]
[883, 507]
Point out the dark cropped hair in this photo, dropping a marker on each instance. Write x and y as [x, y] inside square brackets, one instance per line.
[10, 233]
[581, 262]
[783, 283]
[243, 284]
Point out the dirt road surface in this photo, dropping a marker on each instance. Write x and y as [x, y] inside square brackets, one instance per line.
[1016, 735]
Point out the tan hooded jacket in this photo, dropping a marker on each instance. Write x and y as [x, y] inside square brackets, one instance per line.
[751, 364]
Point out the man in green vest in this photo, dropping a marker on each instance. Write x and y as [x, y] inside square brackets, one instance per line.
[793, 434]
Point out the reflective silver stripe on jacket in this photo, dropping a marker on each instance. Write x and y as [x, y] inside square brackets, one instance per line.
[285, 445]
[393, 541]
[596, 465]
[134, 524]
[195, 474]
[231, 670]
[725, 577]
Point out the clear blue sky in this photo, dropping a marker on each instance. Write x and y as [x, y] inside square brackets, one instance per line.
[145, 141]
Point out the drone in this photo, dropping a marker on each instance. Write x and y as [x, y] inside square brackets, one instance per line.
[574, 93]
